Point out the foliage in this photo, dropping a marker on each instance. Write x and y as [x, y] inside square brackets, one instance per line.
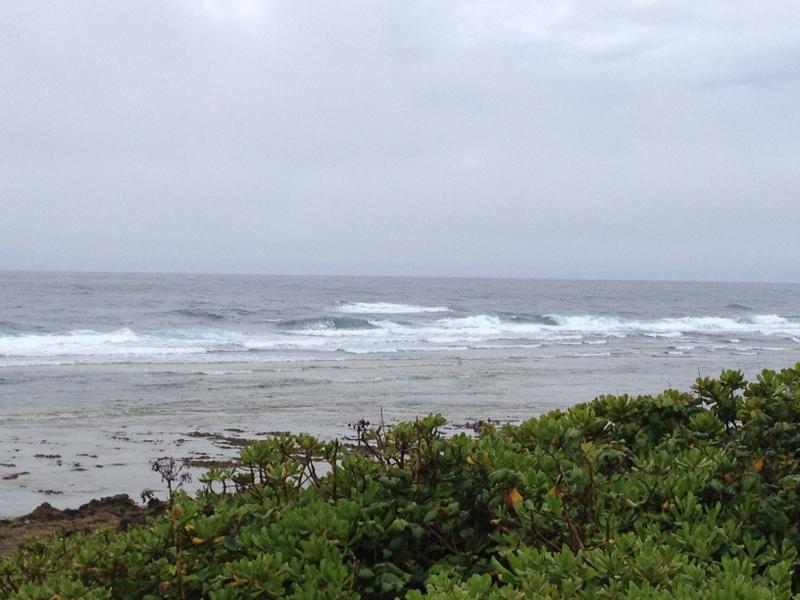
[679, 495]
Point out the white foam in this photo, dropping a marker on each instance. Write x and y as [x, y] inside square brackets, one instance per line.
[672, 327]
[768, 348]
[221, 372]
[83, 342]
[381, 336]
[764, 320]
[387, 308]
[665, 334]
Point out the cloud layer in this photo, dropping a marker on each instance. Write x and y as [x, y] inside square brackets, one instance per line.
[552, 139]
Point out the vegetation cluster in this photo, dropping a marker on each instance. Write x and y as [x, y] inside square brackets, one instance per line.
[678, 495]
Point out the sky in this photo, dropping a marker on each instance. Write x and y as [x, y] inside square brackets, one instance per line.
[604, 139]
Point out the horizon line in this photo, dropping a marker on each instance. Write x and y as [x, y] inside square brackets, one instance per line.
[397, 276]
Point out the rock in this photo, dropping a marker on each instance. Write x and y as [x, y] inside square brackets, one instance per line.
[45, 512]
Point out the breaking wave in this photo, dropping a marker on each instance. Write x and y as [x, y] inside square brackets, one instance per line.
[387, 308]
[755, 324]
[378, 335]
[327, 323]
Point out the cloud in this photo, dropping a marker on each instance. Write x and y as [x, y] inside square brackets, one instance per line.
[609, 139]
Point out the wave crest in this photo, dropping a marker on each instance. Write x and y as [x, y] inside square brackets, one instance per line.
[363, 336]
[388, 308]
[327, 323]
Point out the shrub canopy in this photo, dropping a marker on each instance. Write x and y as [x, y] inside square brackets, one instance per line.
[680, 495]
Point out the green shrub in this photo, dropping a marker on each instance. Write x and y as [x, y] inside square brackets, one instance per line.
[679, 495]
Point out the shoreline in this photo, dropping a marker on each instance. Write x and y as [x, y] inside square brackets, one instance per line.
[116, 513]
[71, 434]
[720, 458]
[64, 471]
[199, 450]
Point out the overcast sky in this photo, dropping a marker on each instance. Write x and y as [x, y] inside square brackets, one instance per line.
[591, 139]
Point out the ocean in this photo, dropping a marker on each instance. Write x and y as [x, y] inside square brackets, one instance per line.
[100, 373]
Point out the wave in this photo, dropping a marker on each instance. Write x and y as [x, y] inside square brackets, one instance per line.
[223, 372]
[754, 324]
[356, 335]
[211, 314]
[736, 306]
[81, 342]
[524, 318]
[388, 308]
[327, 323]
[197, 313]
[14, 328]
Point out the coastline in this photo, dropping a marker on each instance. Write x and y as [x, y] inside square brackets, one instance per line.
[68, 430]
[66, 468]
[386, 516]
[116, 513]
[67, 512]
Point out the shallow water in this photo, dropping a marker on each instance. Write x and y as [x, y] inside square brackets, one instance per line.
[125, 366]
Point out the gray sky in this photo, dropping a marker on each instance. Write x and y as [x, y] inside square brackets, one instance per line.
[599, 139]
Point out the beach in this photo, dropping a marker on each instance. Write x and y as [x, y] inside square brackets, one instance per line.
[101, 374]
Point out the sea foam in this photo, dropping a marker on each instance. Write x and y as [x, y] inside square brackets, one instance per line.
[756, 324]
[388, 308]
[375, 335]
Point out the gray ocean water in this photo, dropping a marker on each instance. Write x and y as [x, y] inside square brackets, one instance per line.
[100, 373]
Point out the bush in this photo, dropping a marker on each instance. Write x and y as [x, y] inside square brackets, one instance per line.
[679, 495]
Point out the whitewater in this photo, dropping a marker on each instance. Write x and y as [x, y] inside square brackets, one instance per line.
[107, 371]
[311, 338]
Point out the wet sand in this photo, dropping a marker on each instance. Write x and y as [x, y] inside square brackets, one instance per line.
[69, 434]
[66, 469]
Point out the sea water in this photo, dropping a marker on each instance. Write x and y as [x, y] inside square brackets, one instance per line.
[100, 373]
